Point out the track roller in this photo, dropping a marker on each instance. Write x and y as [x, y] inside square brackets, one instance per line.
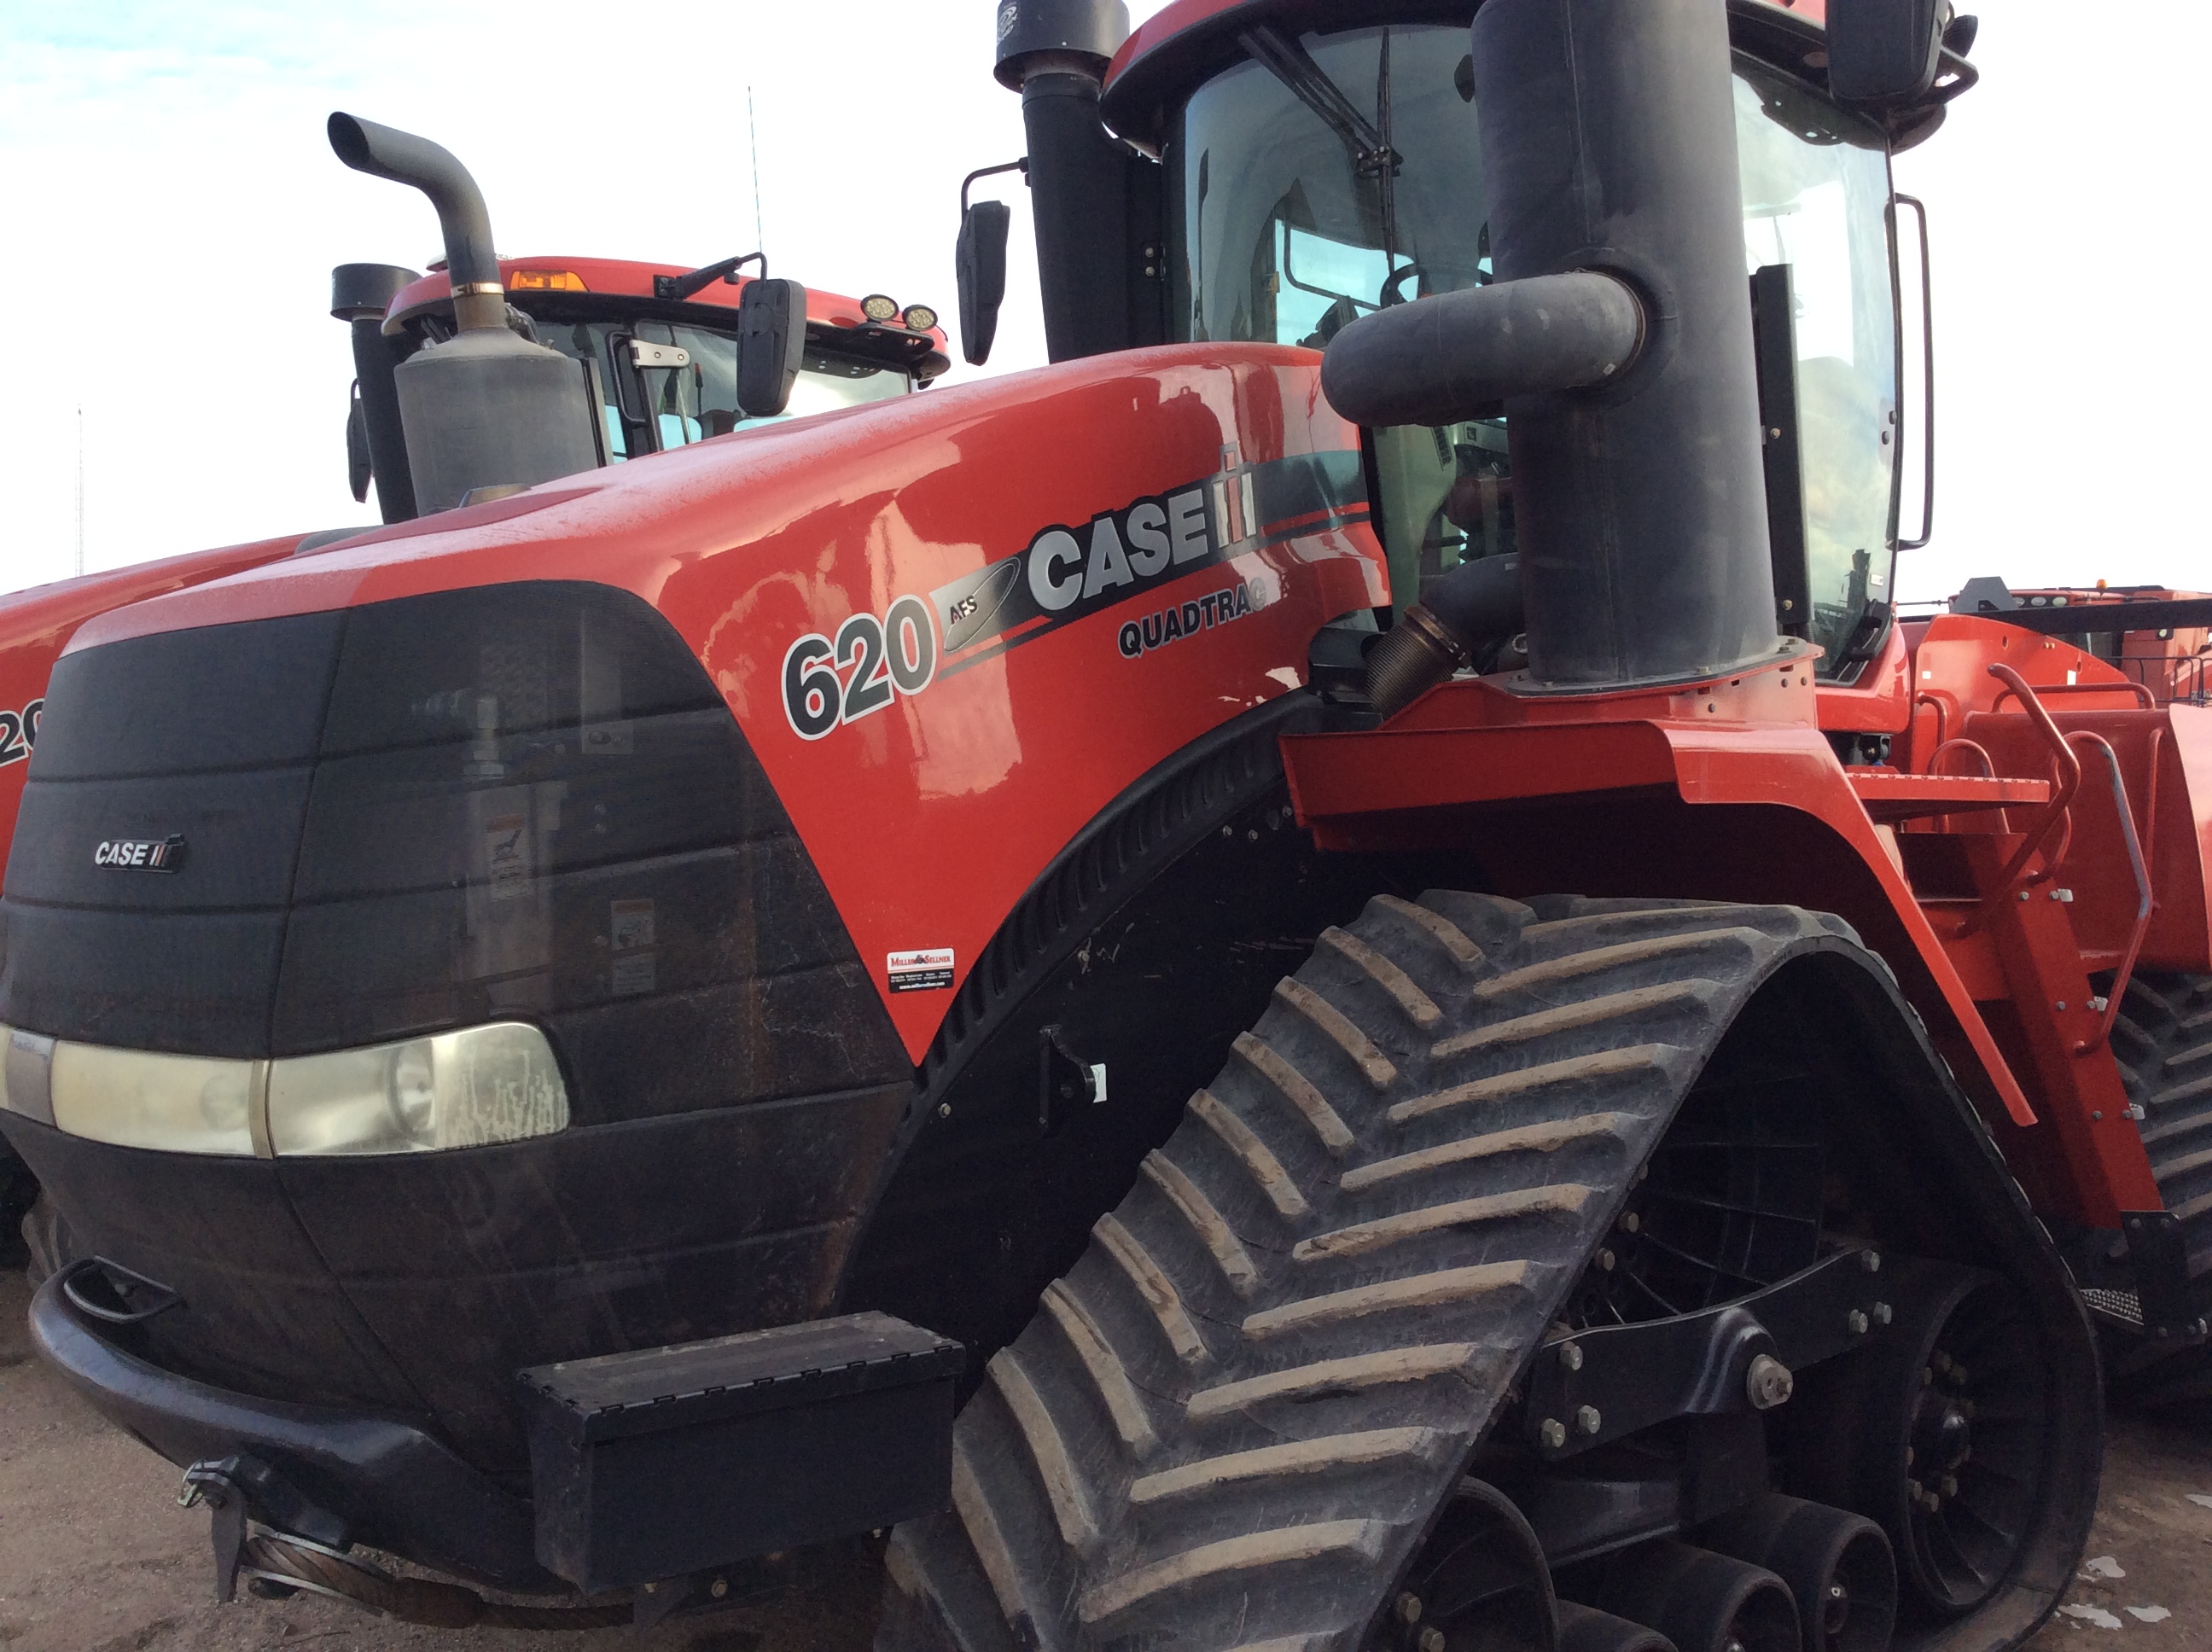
[1585, 1629]
[1838, 1565]
[1700, 1601]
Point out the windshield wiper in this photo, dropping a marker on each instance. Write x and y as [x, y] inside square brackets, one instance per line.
[1369, 147]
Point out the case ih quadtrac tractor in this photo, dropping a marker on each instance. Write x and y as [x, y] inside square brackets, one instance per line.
[663, 345]
[1351, 893]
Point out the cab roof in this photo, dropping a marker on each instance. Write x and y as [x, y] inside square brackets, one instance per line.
[569, 279]
[1191, 40]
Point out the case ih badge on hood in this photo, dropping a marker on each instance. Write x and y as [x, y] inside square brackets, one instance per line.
[1068, 574]
[141, 854]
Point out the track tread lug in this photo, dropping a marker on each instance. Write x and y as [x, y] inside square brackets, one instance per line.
[1416, 1005]
[1205, 1221]
[1298, 1090]
[1048, 1454]
[1107, 1374]
[1458, 945]
[1339, 1028]
[1153, 1284]
[1244, 1142]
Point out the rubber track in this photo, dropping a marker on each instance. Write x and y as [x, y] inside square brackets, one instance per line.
[1228, 1425]
[2164, 1042]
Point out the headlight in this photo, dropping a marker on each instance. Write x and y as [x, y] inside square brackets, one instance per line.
[469, 1089]
[456, 1090]
[140, 1098]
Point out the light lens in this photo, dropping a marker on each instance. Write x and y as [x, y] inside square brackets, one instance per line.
[140, 1098]
[877, 306]
[545, 280]
[468, 1088]
[921, 317]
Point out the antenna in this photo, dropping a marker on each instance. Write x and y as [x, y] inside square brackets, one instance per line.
[80, 491]
[753, 132]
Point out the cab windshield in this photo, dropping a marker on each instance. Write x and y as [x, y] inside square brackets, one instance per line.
[650, 408]
[1331, 175]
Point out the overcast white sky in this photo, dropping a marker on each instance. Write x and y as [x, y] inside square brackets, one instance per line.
[173, 212]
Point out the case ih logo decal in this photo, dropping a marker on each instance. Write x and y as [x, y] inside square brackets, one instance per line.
[141, 854]
[1068, 574]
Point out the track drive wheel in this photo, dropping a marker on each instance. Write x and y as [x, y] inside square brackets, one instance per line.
[2163, 1040]
[1236, 1422]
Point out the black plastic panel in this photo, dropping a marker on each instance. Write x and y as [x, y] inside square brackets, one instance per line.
[222, 696]
[469, 1266]
[260, 1313]
[240, 831]
[196, 983]
[521, 800]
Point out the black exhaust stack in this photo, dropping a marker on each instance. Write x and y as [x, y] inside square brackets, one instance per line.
[484, 409]
[1608, 154]
[1096, 202]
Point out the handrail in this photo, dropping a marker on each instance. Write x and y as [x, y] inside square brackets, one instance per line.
[2131, 686]
[2126, 971]
[1936, 697]
[1962, 744]
[2069, 782]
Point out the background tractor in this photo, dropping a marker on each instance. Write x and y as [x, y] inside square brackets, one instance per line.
[662, 345]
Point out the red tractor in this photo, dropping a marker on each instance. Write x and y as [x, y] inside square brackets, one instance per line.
[663, 345]
[560, 1025]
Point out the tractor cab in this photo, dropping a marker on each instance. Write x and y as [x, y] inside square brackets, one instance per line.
[1314, 173]
[660, 348]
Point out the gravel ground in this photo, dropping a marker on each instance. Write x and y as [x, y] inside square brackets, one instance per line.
[96, 1557]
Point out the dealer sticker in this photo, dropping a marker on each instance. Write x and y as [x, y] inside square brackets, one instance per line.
[922, 970]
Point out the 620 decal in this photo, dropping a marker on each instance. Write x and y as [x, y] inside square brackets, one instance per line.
[828, 682]
[19, 732]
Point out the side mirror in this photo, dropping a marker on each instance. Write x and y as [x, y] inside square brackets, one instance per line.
[1884, 52]
[979, 263]
[361, 468]
[771, 339]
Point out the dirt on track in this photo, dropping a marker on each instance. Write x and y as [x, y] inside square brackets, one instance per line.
[96, 1557]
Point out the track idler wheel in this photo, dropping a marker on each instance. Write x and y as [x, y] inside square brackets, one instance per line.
[1700, 1601]
[1838, 1565]
[1938, 1432]
[1585, 1629]
[1479, 1583]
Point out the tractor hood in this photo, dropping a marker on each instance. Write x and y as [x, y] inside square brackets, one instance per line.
[859, 606]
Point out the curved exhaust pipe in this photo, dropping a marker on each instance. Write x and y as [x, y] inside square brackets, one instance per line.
[479, 298]
[484, 413]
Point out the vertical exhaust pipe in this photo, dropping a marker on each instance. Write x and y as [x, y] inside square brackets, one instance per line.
[1609, 143]
[1084, 187]
[1618, 337]
[484, 411]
